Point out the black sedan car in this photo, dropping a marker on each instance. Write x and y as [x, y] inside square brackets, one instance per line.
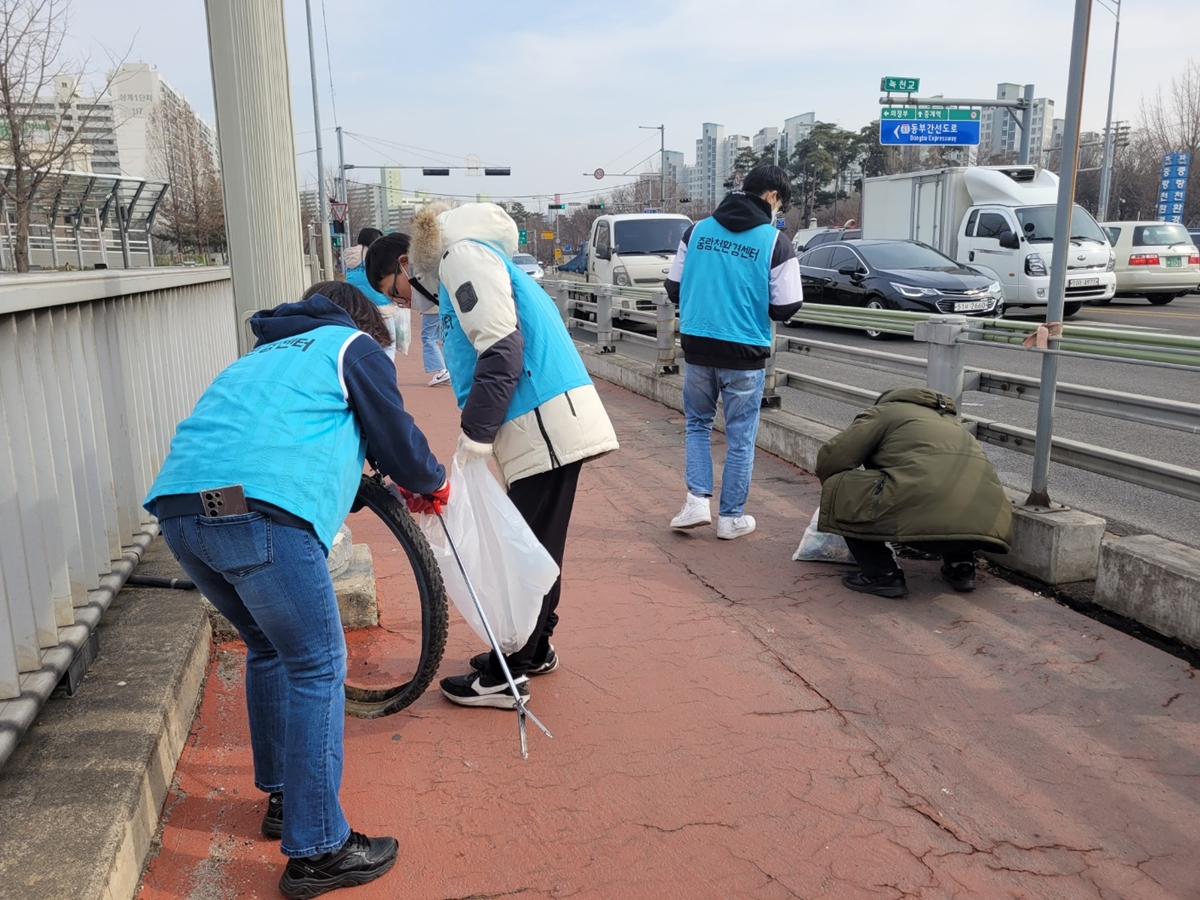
[904, 275]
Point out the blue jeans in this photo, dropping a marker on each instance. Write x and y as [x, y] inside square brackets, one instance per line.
[432, 353]
[271, 582]
[741, 396]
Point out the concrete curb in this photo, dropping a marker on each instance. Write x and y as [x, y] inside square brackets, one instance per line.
[81, 796]
[16, 716]
[1153, 581]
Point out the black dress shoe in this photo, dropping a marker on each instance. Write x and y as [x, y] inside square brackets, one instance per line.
[960, 576]
[892, 585]
[359, 860]
[272, 824]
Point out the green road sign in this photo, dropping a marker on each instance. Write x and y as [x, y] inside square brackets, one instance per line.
[893, 85]
[929, 113]
[522, 236]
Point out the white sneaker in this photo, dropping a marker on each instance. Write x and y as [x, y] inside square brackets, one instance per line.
[695, 513]
[730, 527]
[439, 378]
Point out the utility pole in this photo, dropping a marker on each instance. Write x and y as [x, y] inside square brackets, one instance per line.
[662, 161]
[322, 197]
[343, 190]
[1110, 143]
[1039, 494]
[1027, 125]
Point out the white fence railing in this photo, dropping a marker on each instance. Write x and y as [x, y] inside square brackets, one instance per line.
[609, 310]
[96, 369]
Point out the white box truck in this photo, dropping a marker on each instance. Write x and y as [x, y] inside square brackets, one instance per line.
[998, 220]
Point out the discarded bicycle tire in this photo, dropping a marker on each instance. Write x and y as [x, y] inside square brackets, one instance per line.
[368, 703]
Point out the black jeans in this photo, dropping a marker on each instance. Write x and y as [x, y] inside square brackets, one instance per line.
[876, 560]
[545, 501]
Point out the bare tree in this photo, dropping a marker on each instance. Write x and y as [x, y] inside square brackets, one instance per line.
[1171, 124]
[193, 217]
[42, 130]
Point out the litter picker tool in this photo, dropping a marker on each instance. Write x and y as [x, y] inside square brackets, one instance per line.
[522, 712]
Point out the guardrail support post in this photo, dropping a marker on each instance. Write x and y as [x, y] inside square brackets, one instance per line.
[604, 319]
[665, 322]
[562, 300]
[770, 397]
[945, 371]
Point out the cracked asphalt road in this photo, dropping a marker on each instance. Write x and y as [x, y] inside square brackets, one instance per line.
[729, 723]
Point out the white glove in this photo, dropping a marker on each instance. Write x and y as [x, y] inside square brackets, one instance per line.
[468, 450]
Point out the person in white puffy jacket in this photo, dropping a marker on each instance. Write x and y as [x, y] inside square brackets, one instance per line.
[525, 396]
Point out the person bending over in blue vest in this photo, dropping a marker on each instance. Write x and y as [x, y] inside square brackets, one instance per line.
[256, 484]
[734, 274]
[395, 314]
[524, 394]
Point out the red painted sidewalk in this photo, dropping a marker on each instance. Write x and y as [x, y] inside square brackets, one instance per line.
[729, 723]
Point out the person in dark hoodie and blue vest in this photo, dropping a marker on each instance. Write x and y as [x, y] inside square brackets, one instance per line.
[256, 484]
[734, 274]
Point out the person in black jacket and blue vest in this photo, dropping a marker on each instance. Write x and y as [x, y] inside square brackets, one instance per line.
[734, 274]
[257, 482]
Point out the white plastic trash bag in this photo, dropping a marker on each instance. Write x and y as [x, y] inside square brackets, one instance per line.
[509, 568]
[817, 546]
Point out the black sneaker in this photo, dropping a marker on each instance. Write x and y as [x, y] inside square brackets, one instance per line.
[892, 585]
[960, 576]
[478, 689]
[272, 824]
[479, 662]
[359, 860]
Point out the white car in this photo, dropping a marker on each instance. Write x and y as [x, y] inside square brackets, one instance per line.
[529, 265]
[1156, 260]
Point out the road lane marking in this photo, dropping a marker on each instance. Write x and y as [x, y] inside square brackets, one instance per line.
[1155, 315]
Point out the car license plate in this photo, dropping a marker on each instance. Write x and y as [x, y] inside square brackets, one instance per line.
[1174, 262]
[1083, 282]
[971, 306]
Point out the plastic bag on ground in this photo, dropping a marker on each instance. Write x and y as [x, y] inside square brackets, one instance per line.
[509, 568]
[817, 546]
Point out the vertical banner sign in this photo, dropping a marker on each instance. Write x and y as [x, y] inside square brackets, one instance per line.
[1172, 186]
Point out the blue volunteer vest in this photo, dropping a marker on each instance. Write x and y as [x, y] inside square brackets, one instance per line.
[726, 286]
[358, 277]
[277, 422]
[551, 364]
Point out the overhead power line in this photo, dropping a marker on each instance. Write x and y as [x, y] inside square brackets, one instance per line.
[329, 63]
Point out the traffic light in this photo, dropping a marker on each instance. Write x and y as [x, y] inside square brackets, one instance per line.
[556, 206]
[595, 206]
[684, 200]
[435, 171]
[498, 171]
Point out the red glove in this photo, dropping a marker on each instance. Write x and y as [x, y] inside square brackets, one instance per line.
[427, 503]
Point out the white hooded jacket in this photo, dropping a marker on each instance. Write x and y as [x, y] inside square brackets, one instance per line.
[570, 427]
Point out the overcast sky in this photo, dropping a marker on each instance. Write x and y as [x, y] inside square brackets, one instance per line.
[559, 88]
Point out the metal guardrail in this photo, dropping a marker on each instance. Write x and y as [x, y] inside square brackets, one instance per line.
[945, 370]
[96, 369]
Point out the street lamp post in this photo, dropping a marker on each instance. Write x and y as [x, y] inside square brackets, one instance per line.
[1109, 137]
[322, 199]
[1039, 494]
